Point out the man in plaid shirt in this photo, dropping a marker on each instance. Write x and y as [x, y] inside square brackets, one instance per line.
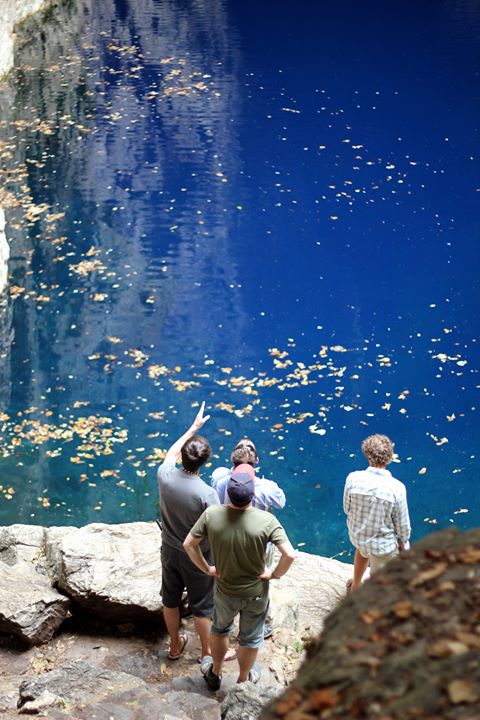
[376, 507]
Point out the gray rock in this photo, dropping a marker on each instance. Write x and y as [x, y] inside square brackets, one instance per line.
[30, 608]
[246, 701]
[78, 682]
[50, 560]
[113, 571]
[21, 543]
[9, 692]
[194, 705]
[44, 701]
[136, 704]
[307, 593]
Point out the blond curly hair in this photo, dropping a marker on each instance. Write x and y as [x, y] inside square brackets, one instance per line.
[378, 449]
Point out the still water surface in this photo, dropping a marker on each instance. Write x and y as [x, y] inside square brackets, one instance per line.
[271, 207]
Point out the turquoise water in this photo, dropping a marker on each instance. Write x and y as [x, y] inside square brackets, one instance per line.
[273, 209]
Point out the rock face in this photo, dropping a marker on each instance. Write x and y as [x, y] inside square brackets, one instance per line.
[405, 645]
[13, 12]
[4, 252]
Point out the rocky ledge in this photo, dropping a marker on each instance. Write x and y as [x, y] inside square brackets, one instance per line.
[81, 628]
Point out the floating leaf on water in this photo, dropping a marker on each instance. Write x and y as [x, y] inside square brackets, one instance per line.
[316, 430]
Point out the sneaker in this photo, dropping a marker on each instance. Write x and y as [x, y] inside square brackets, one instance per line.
[205, 664]
[213, 681]
[254, 674]
[267, 631]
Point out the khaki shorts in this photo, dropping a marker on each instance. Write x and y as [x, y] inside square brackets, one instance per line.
[378, 561]
[253, 612]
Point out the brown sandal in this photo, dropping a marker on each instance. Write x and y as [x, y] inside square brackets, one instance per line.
[184, 639]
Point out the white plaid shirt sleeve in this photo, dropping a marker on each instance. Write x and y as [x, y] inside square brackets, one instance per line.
[401, 518]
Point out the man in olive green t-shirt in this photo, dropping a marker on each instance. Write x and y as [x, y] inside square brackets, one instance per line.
[238, 535]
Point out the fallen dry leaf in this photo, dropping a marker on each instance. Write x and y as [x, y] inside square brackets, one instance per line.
[323, 699]
[470, 556]
[430, 574]
[403, 609]
[462, 691]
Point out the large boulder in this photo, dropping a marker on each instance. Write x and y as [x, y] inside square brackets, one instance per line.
[307, 593]
[30, 608]
[405, 646]
[113, 571]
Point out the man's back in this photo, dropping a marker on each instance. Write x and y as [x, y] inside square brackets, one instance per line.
[183, 498]
[238, 539]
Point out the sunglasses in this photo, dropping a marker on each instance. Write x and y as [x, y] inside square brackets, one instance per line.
[247, 445]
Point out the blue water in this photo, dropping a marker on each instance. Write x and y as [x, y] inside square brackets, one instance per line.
[271, 207]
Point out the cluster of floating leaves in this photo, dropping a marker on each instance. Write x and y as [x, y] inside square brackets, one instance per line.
[93, 435]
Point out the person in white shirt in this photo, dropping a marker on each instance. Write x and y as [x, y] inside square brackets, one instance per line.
[376, 507]
[268, 494]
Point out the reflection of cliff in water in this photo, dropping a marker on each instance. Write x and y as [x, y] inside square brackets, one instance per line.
[135, 154]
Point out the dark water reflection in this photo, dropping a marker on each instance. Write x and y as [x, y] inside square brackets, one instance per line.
[279, 219]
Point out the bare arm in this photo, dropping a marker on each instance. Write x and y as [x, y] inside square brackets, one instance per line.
[194, 552]
[174, 451]
[287, 556]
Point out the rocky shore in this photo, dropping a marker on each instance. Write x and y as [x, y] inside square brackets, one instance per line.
[82, 635]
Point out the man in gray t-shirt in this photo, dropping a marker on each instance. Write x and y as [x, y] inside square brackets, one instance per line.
[183, 498]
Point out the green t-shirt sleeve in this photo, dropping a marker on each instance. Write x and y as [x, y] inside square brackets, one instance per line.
[199, 530]
[278, 534]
